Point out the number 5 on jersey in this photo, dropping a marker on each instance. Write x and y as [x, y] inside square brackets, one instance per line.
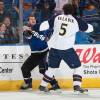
[63, 29]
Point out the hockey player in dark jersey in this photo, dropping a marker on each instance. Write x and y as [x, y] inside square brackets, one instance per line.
[39, 50]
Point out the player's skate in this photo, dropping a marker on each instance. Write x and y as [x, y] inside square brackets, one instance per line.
[27, 87]
[78, 90]
[43, 89]
[27, 84]
[55, 88]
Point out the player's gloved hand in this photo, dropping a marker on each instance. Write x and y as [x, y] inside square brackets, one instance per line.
[27, 33]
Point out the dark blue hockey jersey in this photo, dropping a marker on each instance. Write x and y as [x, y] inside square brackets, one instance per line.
[37, 45]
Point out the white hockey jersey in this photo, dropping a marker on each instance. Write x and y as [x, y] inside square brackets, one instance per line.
[65, 29]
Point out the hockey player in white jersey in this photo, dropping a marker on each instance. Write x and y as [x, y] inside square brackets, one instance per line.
[61, 47]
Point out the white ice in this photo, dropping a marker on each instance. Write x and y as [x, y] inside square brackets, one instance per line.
[35, 95]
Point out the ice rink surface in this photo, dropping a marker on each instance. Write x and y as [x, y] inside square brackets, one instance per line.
[36, 95]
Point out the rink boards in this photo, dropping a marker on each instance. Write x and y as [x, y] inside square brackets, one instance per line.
[12, 58]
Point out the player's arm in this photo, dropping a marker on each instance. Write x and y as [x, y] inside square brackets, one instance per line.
[84, 26]
[47, 27]
[47, 32]
[49, 24]
[29, 34]
[51, 21]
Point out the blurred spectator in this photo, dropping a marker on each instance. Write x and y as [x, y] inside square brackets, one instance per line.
[45, 9]
[28, 8]
[79, 6]
[82, 4]
[84, 8]
[11, 35]
[8, 5]
[97, 4]
[90, 14]
[60, 3]
[75, 4]
[89, 10]
[2, 33]
[3, 13]
[51, 4]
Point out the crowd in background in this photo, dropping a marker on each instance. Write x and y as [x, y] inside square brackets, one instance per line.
[89, 10]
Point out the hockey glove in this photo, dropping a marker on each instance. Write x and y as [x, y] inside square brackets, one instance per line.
[27, 33]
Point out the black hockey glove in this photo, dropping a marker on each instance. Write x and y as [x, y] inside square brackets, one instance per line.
[27, 33]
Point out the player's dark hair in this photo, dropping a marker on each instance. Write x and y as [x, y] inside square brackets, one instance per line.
[68, 9]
